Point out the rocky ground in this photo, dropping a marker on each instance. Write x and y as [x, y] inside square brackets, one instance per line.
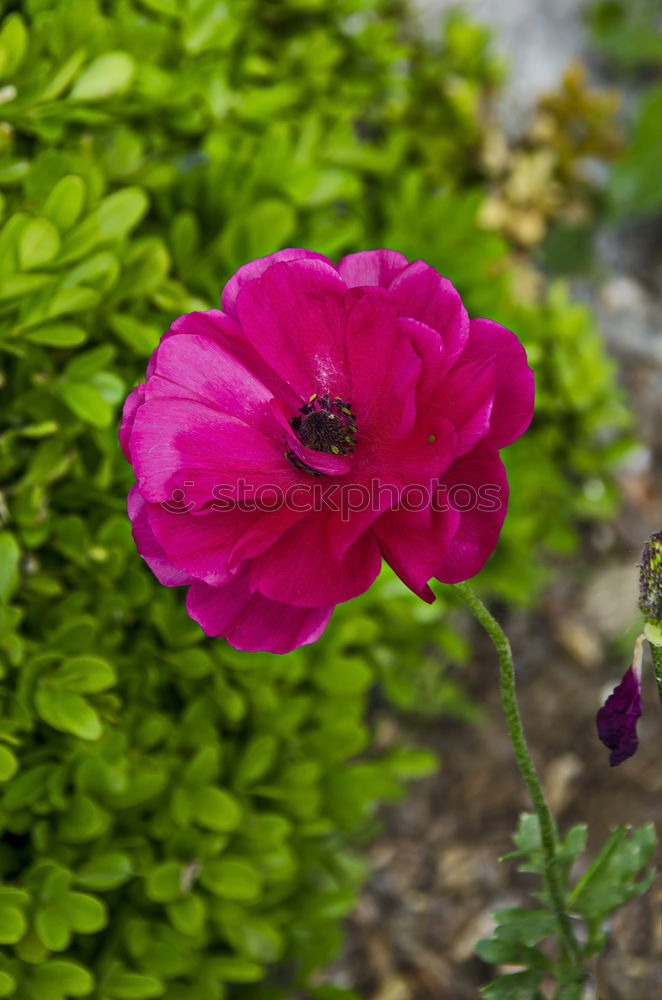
[436, 878]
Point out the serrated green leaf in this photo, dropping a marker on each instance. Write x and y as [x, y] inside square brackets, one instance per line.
[610, 880]
[526, 926]
[515, 986]
[510, 952]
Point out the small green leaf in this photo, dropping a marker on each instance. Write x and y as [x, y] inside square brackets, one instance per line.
[232, 878]
[233, 969]
[57, 335]
[120, 212]
[216, 809]
[122, 985]
[86, 674]
[7, 984]
[12, 924]
[187, 915]
[107, 871]
[163, 883]
[61, 80]
[84, 820]
[66, 978]
[65, 202]
[8, 764]
[109, 75]
[255, 761]
[13, 44]
[139, 336]
[86, 402]
[67, 711]
[52, 929]
[9, 558]
[39, 244]
[85, 914]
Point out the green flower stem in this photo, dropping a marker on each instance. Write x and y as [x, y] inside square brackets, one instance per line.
[571, 950]
[656, 653]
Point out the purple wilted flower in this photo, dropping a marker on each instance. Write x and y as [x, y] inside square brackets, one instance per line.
[617, 719]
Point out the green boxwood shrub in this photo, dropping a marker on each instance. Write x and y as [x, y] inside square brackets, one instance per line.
[180, 820]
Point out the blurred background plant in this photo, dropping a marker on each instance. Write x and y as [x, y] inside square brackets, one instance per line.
[175, 815]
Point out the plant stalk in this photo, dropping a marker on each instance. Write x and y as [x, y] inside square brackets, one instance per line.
[571, 950]
[656, 654]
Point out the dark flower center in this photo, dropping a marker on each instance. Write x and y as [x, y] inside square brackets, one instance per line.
[323, 424]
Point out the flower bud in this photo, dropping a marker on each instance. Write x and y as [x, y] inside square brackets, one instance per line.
[650, 579]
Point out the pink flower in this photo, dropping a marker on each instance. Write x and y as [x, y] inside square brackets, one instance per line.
[326, 418]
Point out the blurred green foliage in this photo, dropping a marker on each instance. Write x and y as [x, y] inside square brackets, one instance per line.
[629, 35]
[177, 816]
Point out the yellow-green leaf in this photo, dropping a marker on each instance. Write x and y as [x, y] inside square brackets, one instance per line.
[110, 74]
[39, 244]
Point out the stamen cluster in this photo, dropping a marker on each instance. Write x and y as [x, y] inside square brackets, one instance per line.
[323, 424]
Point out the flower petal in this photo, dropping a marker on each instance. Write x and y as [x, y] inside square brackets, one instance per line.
[148, 546]
[466, 394]
[425, 295]
[250, 621]
[197, 367]
[253, 270]
[294, 316]
[181, 445]
[383, 366]
[617, 719]
[514, 395]
[371, 267]
[210, 545]
[300, 568]
[132, 402]
[476, 485]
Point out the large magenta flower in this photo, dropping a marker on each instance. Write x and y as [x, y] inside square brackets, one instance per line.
[326, 418]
